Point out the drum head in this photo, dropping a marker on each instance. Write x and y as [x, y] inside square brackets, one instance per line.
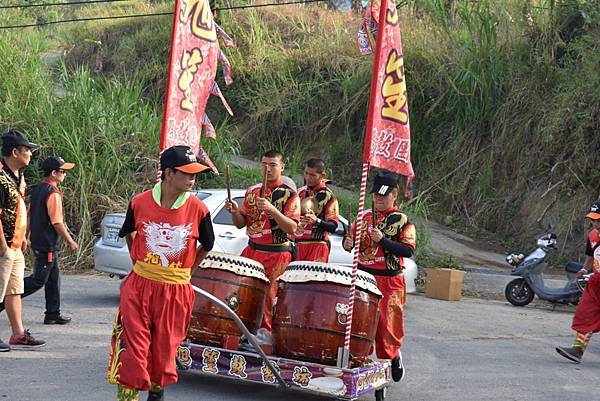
[235, 264]
[301, 272]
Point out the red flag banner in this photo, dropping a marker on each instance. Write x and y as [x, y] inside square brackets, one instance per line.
[191, 78]
[387, 137]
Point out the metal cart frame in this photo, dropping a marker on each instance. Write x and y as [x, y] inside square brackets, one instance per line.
[340, 383]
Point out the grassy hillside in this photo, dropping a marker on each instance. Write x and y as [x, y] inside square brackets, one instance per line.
[503, 97]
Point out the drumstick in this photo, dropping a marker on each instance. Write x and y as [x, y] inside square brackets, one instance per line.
[373, 216]
[228, 181]
[350, 214]
[264, 184]
[350, 218]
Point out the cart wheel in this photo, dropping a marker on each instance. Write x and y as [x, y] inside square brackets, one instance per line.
[380, 394]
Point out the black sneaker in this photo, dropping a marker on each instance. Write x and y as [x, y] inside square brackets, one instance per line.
[572, 353]
[25, 341]
[156, 395]
[4, 347]
[57, 319]
[397, 369]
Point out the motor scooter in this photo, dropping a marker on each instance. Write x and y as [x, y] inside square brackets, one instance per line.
[530, 270]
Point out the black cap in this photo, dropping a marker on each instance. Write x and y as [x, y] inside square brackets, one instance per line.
[181, 158]
[13, 139]
[55, 163]
[384, 183]
[594, 212]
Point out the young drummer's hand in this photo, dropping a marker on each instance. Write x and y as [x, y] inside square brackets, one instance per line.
[376, 235]
[309, 218]
[264, 205]
[231, 206]
[348, 243]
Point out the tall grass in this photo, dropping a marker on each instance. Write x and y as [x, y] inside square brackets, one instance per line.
[502, 101]
[108, 127]
[299, 74]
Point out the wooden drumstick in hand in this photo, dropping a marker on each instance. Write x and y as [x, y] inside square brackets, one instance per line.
[264, 184]
[373, 216]
[228, 181]
[350, 217]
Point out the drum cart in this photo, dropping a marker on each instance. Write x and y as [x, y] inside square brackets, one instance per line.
[337, 382]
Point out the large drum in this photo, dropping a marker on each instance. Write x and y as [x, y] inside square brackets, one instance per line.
[309, 322]
[241, 283]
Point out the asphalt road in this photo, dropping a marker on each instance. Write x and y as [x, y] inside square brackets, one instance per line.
[468, 350]
[492, 283]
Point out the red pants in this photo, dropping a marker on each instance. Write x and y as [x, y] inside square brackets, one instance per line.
[390, 329]
[274, 264]
[587, 314]
[312, 251]
[152, 321]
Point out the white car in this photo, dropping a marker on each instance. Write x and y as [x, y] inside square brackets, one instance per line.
[112, 256]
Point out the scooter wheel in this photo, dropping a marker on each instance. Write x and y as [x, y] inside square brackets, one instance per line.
[518, 292]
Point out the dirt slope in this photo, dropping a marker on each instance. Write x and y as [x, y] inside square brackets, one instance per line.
[467, 251]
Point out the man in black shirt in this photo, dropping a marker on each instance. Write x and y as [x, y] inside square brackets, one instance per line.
[46, 225]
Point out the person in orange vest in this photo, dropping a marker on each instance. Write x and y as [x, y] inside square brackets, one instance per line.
[382, 249]
[269, 220]
[46, 226]
[586, 320]
[168, 232]
[320, 219]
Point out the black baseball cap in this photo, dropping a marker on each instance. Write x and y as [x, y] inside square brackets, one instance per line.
[180, 157]
[594, 212]
[13, 139]
[55, 163]
[384, 183]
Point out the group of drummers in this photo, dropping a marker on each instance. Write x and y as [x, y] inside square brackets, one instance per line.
[155, 307]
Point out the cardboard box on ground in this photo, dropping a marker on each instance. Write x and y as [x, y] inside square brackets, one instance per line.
[445, 284]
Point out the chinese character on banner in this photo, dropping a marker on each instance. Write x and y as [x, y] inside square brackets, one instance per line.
[387, 137]
[195, 52]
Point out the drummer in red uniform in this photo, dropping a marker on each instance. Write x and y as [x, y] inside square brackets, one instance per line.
[168, 232]
[586, 320]
[382, 250]
[312, 241]
[269, 220]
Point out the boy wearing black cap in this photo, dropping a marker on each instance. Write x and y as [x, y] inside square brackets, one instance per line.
[382, 249]
[46, 224]
[16, 150]
[162, 227]
[586, 320]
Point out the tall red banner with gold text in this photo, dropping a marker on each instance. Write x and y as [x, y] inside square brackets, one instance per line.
[192, 69]
[387, 136]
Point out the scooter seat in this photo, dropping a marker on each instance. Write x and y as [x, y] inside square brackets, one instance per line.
[574, 267]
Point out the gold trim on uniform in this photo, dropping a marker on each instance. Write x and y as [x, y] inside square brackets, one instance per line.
[162, 274]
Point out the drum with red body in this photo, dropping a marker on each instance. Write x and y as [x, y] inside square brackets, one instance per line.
[309, 321]
[241, 283]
